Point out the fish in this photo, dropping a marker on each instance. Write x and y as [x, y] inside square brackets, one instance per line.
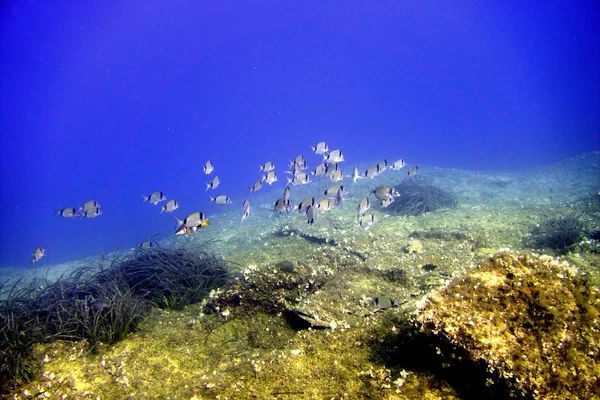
[320, 170]
[371, 172]
[286, 195]
[101, 303]
[337, 176]
[382, 166]
[413, 171]
[208, 167]
[366, 221]
[281, 206]
[191, 220]
[309, 201]
[330, 169]
[383, 303]
[256, 187]
[335, 156]
[301, 178]
[356, 174]
[310, 215]
[398, 164]
[339, 197]
[183, 229]
[171, 206]
[331, 192]
[325, 205]
[214, 183]
[221, 199]
[246, 208]
[67, 212]
[267, 167]
[154, 198]
[90, 204]
[320, 148]
[37, 255]
[363, 205]
[92, 212]
[386, 202]
[385, 192]
[270, 177]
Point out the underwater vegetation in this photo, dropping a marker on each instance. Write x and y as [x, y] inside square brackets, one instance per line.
[419, 198]
[533, 321]
[101, 304]
[559, 234]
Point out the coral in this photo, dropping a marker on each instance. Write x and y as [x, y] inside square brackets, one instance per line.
[532, 319]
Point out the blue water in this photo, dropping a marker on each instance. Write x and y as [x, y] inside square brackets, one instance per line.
[111, 100]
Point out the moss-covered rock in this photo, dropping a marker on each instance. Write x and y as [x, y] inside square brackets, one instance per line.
[532, 319]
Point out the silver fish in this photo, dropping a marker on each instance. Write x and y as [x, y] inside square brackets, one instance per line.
[281, 206]
[267, 167]
[214, 183]
[356, 175]
[92, 212]
[386, 202]
[339, 197]
[221, 199]
[90, 204]
[286, 195]
[382, 166]
[372, 172]
[337, 176]
[335, 156]
[183, 230]
[398, 164]
[67, 212]
[246, 208]
[171, 206]
[320, 148]
[366, 221]
[270, 177]
[310, 215]
[301, 178]
[326, 205]
[331, 192]
[256, 187]
[413, 171]
[38, 254]
[330, 169]
[309, 201]
[208, 167]
[385, 192]
[154, 198]
[363, 206]
[192, 220]
[319, 170]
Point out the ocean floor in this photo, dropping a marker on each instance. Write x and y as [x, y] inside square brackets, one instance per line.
[333, 310]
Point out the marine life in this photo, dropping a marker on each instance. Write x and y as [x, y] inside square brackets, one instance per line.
[182, 230]
[246, 208]
[286, 195]
[413, 171]
[331, 192]
[335, 156]
[214, 183]
[267, 167]
[309, 201]
[385, 192]
[150, 243]
[270, 177]
[330, 169]
[154, 198]
[372, 172]
[356, 175]
[398, 164]
[256, 187]
[92, 212]
[366, 221]
[171, 206]
[387, 202]
[310, 215]
[320, 170]
[339, 197]
[337, 176]
[89, 204]
[326, 205]
[37, 255]
[382, 166]
[208, 167]
[301, 178]
[221, 199]
[67, 212]
[282, 206]
[191, 220]
[363, 206]
[320, 148]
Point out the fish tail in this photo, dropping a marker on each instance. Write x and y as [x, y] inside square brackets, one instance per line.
[179, 222]
[146, 198]
[207, 186]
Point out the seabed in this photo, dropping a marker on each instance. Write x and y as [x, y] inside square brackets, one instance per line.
[299, 320]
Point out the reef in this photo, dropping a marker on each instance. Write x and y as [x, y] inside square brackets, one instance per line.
[533, 321]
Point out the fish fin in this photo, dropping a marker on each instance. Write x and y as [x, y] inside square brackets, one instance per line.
[146, 198]
[179, 222]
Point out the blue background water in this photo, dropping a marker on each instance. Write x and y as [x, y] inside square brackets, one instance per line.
[111, 100]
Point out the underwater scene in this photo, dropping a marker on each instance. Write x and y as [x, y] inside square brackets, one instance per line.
[268, 200]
